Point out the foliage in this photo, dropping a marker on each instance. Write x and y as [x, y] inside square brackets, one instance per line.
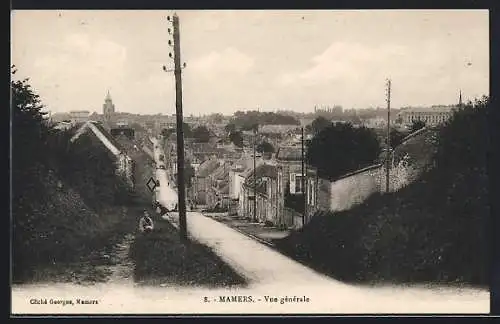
[416, 125]
[186, 129]
[463, 139]
[248, 120]
[217, 118]
[265, 147]
[229, 128]
[396, 137]
[29, 131]
[166, 132]
[236, 138]
[201, 134]
[319, 123]
[341, 148]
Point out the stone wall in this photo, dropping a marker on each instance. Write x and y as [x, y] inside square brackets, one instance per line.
[356, 187]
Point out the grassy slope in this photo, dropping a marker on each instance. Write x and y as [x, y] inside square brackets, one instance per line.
[66, 231]
[430, 231]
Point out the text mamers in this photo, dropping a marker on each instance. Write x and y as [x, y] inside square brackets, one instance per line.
[236, 299]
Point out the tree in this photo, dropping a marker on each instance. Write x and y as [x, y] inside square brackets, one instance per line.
[265, 147]
[137, 127]
[463, 138]
[248, 119]
[29, 130]
[229, 128]
[186, 130]
[201, 134]
[341, 148]
[217, 118]
[236, 138]
[416, 125]
[319, 123]
[166, 132]
[396, 137]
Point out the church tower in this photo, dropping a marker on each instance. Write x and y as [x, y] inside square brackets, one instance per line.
[108, 108]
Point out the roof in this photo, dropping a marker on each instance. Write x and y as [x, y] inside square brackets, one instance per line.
[263, 171]
[242, 164]
[221, 172]
[289, 153]
[249, 171]
[202, 147]
[278, 128]
[225, 189]
[207, 167]
[109, 136]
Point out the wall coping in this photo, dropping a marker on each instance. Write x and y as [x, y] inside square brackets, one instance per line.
[415, 133]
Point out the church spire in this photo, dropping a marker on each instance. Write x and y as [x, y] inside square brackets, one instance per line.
[108, 96]
[460, 99]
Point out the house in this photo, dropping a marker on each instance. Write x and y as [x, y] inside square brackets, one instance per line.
[201, 181]
[218, 191]
[124, 164]
[259, 194]
[290, 185]
[237, 174]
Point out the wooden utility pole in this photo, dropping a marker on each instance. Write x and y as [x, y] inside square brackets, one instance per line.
[303, 181]
[387, 158]
[254, 176]
[181, 188]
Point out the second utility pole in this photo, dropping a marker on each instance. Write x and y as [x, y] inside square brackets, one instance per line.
[254, 176]
[303, 182]
[181, 189]
[388, 154]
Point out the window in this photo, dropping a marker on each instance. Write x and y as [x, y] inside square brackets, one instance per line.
[311, 193]
[296, 183]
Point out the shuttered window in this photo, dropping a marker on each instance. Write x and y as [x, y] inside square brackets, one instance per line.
[292, 183]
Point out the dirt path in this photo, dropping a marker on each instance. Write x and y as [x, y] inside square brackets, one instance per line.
[120, 268]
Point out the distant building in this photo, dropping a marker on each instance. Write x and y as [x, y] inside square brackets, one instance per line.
[431, 116]
[376, 122]
[275, 129]
[108, 108]
[79, 116]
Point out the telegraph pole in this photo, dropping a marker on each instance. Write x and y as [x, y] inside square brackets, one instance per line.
[254, 177]
[387, 159]
[302, 182]
[181, 188]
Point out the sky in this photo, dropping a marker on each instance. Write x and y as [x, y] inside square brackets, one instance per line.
[249, 60]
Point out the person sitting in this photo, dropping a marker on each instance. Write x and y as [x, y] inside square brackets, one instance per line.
[146, 223]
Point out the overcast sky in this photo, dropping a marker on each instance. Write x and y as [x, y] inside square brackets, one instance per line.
[241, 60]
